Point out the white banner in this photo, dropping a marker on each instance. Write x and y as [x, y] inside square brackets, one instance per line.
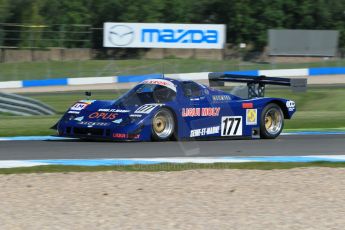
[164, 35]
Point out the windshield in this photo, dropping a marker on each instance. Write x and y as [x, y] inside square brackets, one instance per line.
[146, 94]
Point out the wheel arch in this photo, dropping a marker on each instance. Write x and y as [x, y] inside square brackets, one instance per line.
[282, 106]
[176, 126]
[175, 136]
[264, 132]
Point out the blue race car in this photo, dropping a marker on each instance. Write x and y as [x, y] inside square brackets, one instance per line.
[169, 109]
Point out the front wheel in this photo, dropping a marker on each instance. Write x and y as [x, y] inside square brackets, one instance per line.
[163, 125]
[272, 121]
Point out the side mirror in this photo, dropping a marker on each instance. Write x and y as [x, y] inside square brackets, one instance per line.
[88, 93]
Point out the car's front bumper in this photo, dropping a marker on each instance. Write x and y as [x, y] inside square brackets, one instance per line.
[119, 133]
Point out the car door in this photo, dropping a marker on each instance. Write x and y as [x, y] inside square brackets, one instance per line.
[200, 115]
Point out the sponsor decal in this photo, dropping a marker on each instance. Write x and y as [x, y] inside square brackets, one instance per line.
[146, 108]
[221, 98]
[79, 118]
[103, 116]
[251, 116]
[90, 123]
[179, 36]
[161, 82]
[121, 35]
[114, 110]
[210, 112]
[200, 112]
[73, 112]
[79, 106]
[126, 136]
[135, 115]
[231, 126]
[247, 105]
[164, 35]
[204, 131]
[291, 105]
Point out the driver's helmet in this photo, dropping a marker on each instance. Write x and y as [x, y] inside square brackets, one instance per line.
[162, 93]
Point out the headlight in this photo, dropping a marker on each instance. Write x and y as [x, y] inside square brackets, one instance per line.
[69, 117]
[122, 121]
[135, 119]
[126, 121]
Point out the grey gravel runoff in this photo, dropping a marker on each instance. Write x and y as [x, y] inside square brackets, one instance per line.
[304, 198]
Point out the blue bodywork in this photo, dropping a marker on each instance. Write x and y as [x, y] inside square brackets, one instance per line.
[196, 116]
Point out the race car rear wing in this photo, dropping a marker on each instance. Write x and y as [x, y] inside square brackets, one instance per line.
[256, 84]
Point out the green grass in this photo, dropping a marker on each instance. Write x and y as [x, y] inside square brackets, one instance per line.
[39, 125]
[319, 108]
[169, 167]
[315, 99]
[317, 120]
[93, 68]
[27, 126]
[61, 101]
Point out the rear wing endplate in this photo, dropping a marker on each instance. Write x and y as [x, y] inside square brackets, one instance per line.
[256, 84]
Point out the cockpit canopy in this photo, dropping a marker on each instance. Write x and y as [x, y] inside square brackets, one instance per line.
[149, 91]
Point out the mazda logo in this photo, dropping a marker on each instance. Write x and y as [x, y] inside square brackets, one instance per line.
[121, 35]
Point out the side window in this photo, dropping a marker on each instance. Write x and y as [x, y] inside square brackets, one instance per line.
[191, 89]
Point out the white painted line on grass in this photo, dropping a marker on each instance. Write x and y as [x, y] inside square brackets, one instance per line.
[90, 80]
[23, 163]
[284, 72]
[11, 84]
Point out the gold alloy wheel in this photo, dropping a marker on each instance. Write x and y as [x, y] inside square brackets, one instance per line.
[273, 121]
[159, 124]
[268, 122]
[163, 124]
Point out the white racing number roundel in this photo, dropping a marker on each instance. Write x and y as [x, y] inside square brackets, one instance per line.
[231, 126]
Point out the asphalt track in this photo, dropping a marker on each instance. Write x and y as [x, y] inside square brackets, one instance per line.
[296, 145]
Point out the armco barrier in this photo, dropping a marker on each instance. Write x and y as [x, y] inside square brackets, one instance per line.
[190, 76]
[20, 105]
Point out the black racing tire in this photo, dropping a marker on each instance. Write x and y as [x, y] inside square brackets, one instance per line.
[163, 125]
[271, 121]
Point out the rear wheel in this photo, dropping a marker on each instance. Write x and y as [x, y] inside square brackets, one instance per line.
[163, 125]
[272, 121]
